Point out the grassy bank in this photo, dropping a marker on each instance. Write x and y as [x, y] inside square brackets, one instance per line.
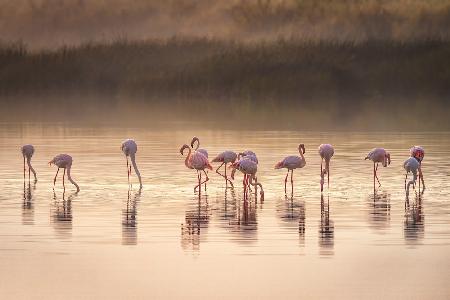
[272, 79]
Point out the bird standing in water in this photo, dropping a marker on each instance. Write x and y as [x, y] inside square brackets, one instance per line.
[129, 148]
[27, 152]
[326, 152]
[63, 161]
[291, 163]
[249, 168]
[413, 166]
[378, 155]
[225, 158]
[418, 153]
[202, 151]
[198, 162]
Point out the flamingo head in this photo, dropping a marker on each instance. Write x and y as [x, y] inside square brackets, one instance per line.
[195, 139]
[301, 147]
[388, 157]
[182, 148]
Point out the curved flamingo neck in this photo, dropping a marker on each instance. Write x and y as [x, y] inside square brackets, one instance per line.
[186, 161]
[133, 162]
[198, 144]
[70, 177]
[31, 168]
[301, 153]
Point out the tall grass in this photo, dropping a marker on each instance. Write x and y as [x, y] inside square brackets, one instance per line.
[280, 79]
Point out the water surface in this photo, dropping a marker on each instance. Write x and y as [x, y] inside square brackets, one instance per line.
[165, 241]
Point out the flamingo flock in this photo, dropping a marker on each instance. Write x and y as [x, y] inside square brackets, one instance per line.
[246, 162]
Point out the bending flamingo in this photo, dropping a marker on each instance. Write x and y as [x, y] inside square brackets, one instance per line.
[248, 154]
[225, 158]
[129, 148]
[27, 152]
[198, 162]
[291, 163]
[326, 152]
[411, 165]
[63, 161]
[378, 155]
[418, 153]
[249, 168]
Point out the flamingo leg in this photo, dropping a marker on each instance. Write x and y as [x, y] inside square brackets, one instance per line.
[199, 178]
[376, 175]
[207, 178]
[285, 182]
[54, 180]
[24, 169]
[292, 182]
[328, 174]
[406, 177]
[64, 175]
[421, 178]
[321, 175]
[128, 171]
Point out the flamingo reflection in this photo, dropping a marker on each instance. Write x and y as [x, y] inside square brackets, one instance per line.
[326, 230]
[62, 215]
[290, 212]
[196, 220]
[27, 204]
[129, 222]
[380, 210]
[413, 226]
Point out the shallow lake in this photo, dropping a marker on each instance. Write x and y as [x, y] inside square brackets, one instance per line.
[167, 242]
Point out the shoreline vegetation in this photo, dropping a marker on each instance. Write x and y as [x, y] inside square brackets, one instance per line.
[289, 83]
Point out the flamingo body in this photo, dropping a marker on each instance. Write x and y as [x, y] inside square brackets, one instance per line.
[64, 161]
[411, 165]
[291, 163]
[27, 153]
[379, 155]
[226, 157]
[326, 152]
[129, 148]
[417, 152]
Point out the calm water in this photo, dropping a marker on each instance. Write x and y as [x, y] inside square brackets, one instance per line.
[167, 242]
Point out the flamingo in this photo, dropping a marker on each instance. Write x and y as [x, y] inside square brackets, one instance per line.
[63, 161]
[129, 148]
[202, 151]
[291, 163]
[411, 165]
[196, 161]
[249, 168]
[27, 152]
[249, 154]
[378, 155]
[418, 153]
[326, 152]
[225, 158]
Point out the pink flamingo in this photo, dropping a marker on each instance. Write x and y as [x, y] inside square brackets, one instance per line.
[129, 148]
[27, 152]
[202, 151]
[198, 162]
[418, 153]
[411, 165]
[291, 163]
[225, 158]
[378, 155]
[326, 152]
[249, 168]
[63, 161]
